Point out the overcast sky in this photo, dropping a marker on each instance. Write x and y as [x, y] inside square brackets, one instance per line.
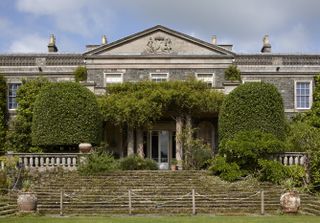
[293, 25]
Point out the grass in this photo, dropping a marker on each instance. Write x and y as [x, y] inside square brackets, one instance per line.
[165, 219]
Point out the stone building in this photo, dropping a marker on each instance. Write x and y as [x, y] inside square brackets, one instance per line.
[161, 54]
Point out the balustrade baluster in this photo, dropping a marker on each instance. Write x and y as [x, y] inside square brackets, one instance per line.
[74, 161]
[41, 161]
[290, 160]
[68, 161]
[36, 161]
[285, 160]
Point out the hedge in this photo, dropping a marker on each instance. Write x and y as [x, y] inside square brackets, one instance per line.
[252, 106]
[65, 114]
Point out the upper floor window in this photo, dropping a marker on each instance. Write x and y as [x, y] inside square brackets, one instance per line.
[303, 94]
[159, 77]
[12, 95]
[113, 78]
[207, 78]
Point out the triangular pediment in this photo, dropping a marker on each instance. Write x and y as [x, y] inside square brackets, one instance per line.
[158, 40]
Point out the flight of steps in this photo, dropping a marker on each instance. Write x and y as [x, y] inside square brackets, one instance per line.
[162, 192]
[8, 205]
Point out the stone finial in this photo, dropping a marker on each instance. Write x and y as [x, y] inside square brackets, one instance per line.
[214, 40]
[266, 48]
[104, 40]
[52, 44]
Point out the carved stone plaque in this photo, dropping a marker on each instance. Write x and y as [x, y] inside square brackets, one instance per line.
[159, 45]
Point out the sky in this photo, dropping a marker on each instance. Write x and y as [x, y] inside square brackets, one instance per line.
[292, 25]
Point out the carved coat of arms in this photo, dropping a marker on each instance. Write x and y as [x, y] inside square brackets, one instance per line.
[159, 45]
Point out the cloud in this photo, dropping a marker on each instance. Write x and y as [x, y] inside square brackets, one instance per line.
[32, 43]
[75, 16]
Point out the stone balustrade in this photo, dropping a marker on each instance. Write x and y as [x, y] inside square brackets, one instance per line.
[291, 158]
[47, 161]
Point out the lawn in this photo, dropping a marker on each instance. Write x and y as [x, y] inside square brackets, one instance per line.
[165, 219]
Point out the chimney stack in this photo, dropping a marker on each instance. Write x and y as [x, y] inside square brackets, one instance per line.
[52, 44]
[214, 40]
[104, 40]
[266, 48]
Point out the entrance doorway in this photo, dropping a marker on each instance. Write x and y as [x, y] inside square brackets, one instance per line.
[161, 147]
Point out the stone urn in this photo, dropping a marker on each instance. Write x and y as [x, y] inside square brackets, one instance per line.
[85, 147]
[27, 202]
[290, 202]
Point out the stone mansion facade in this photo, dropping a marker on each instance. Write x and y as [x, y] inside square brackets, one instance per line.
[161, 54]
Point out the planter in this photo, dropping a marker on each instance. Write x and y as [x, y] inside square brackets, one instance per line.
[27, 202]
[174, 167]
[85, 147]
[290, 202]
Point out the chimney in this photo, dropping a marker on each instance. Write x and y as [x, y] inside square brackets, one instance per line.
[104, 40]
[214, 40]
[266, 48]
[52, 44]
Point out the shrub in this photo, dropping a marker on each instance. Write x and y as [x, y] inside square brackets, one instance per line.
[275, 172]
[226, 171]
[19, 139]
[98, 163]
[272, 171]
[80, 74]
[3, 182]
[196, 155]
[232, 73]
[252, 106]
[247, 147]
[65, 114]
[315, 169]
[3, 112]
[137, 163]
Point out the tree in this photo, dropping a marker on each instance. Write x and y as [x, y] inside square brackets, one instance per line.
[3, 111]
[19, 139]
[80, 74]
[252, 106]
[65, 114]
[232, 73]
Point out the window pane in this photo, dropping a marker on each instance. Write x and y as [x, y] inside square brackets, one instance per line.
[207, 78]
[159, 77]
[113, 78]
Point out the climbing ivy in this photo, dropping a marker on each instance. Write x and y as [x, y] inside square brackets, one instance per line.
[3, 112]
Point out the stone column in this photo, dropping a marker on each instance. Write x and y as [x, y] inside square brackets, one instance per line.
[140, 143]
[130, 139]
[179, 152]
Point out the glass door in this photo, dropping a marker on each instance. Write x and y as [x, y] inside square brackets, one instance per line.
[160, 143]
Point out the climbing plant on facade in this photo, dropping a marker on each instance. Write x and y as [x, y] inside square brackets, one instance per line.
[3, 112]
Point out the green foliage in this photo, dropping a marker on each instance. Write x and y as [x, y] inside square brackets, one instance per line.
[80, 74]
[252, 106]
[226, 171]
[315, 169]
[275, 172]
[303, 137]
[65, 114]
[143, 103]
[98, 163]
[19, 139]
[232, 73]
[272, 171]
[137, 163]
[247, 147]
[3, 112]
[3, 182]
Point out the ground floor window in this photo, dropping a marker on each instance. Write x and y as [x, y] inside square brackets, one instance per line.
[12, 95]
[303, 94]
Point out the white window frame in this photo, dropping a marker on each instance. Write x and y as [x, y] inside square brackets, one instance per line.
[310, 93]
[8, 97]
[212, 81]
[251, 81]
[105, 74]
[159, 73]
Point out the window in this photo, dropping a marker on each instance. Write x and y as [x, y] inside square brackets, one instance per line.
[207, 78]
[303, 94]
[159, 77]
[113, 78]
[12, 95]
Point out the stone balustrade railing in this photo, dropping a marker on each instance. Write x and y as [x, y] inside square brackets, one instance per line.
[291, 158]
[43, 161]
